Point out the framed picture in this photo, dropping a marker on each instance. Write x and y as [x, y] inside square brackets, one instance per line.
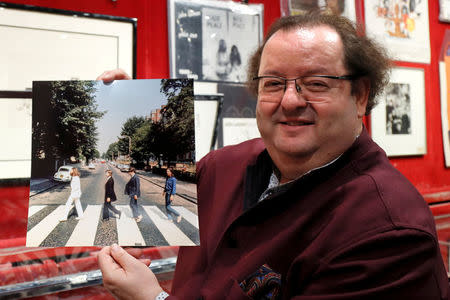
[444, 11]
[402, 26]
[237, 122]
[15, 154]
[207, 108]
[340, 7]
[212, 40]
[444, 75]
[48, 44]
[398, 121]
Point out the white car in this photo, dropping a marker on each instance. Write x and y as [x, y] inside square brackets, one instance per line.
[91, 166]
[63, 174]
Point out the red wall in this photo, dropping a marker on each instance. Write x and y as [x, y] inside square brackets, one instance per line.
[426, 172]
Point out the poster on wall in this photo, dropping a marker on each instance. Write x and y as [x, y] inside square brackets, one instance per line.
[444, 75]
[344, 8]
[444, 11]
[402, 26]
[211, 40]
[398, 121]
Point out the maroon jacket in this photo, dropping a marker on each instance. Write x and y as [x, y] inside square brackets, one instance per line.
[356, 229]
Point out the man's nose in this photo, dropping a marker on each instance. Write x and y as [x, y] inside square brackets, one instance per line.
[293, 96]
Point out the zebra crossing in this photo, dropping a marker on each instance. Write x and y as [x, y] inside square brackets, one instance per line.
[155, 229]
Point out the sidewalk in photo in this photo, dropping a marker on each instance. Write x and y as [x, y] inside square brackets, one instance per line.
[184, 189]
[38, 185]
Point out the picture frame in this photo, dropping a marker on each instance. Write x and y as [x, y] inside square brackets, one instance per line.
[63, 56]
[444, 77]
[398, 121]
[402, 27]
[78, 45]
[444, 11]
[207, 108]
[15, 155]
[212, 40]
[345, 8]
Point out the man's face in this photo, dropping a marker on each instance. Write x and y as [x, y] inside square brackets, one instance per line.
[293, 128]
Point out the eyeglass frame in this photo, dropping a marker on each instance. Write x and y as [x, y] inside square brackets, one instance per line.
[298, 87]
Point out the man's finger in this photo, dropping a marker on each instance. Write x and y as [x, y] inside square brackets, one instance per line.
[123, 258]
[106, 261]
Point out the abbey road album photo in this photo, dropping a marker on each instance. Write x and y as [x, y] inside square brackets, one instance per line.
[113, 163]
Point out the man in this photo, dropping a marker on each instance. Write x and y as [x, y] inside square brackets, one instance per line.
[133, 189]
[314, 210]
[170, 189]
[110, 196]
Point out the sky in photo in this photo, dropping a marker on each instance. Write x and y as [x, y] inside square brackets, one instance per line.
[123, 99]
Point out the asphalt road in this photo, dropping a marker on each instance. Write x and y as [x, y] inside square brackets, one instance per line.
[46, 208]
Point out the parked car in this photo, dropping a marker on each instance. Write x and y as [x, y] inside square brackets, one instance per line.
[63, 174]
[91, 166]
[125, 168]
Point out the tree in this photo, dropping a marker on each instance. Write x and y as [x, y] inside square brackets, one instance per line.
[177, 122]
[129, 128]
[71, 130]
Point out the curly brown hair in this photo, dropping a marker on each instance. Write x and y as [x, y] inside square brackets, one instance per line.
[362, 56]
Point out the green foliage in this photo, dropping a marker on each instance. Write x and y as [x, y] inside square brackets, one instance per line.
[172, 136]
[71, 130]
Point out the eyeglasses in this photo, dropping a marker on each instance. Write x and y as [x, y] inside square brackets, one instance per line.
[316, 88]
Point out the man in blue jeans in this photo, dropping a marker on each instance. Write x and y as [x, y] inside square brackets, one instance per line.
[169, 191]
[133, 189]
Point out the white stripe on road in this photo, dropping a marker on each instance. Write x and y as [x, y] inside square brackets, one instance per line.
[84, 232]
[34, 209]
[188, 215]
[172, 234]
[128, 232]
[38, 233]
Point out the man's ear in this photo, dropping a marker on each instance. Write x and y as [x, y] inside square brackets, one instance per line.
[361, 89]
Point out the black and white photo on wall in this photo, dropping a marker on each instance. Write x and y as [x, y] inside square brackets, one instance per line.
[398, 108]
[398, 121]
[212, 40]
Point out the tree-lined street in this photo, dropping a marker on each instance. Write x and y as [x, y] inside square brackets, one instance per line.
[47, 207]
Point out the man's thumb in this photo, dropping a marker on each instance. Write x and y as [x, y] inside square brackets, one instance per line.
[123, 258]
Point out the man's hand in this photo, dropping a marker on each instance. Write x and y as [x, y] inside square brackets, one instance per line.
[112, 75]
[125, 276]
[171, 198]
[108, 199]
[135, 197]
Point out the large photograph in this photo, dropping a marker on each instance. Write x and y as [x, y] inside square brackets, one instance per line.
[113, 163]
[398, 121]
[339, 7]
[212, 40]
[402, 26]
[444, 76]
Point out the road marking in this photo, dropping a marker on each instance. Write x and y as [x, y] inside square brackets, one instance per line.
[172, 234]
[188, 215]
[38, 233]
[34, 209]
[83, 234]
[128, 232]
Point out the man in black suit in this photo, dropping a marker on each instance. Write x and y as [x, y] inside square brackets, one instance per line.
[133, 189]
[110, 196]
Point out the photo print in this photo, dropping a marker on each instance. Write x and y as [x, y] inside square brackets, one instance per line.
[398, 121]
[115, 164]
[398, 109]
[211, 40]
[402, 26]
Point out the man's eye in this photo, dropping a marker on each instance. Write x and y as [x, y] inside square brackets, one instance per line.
[273, 83]
[316, 84]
